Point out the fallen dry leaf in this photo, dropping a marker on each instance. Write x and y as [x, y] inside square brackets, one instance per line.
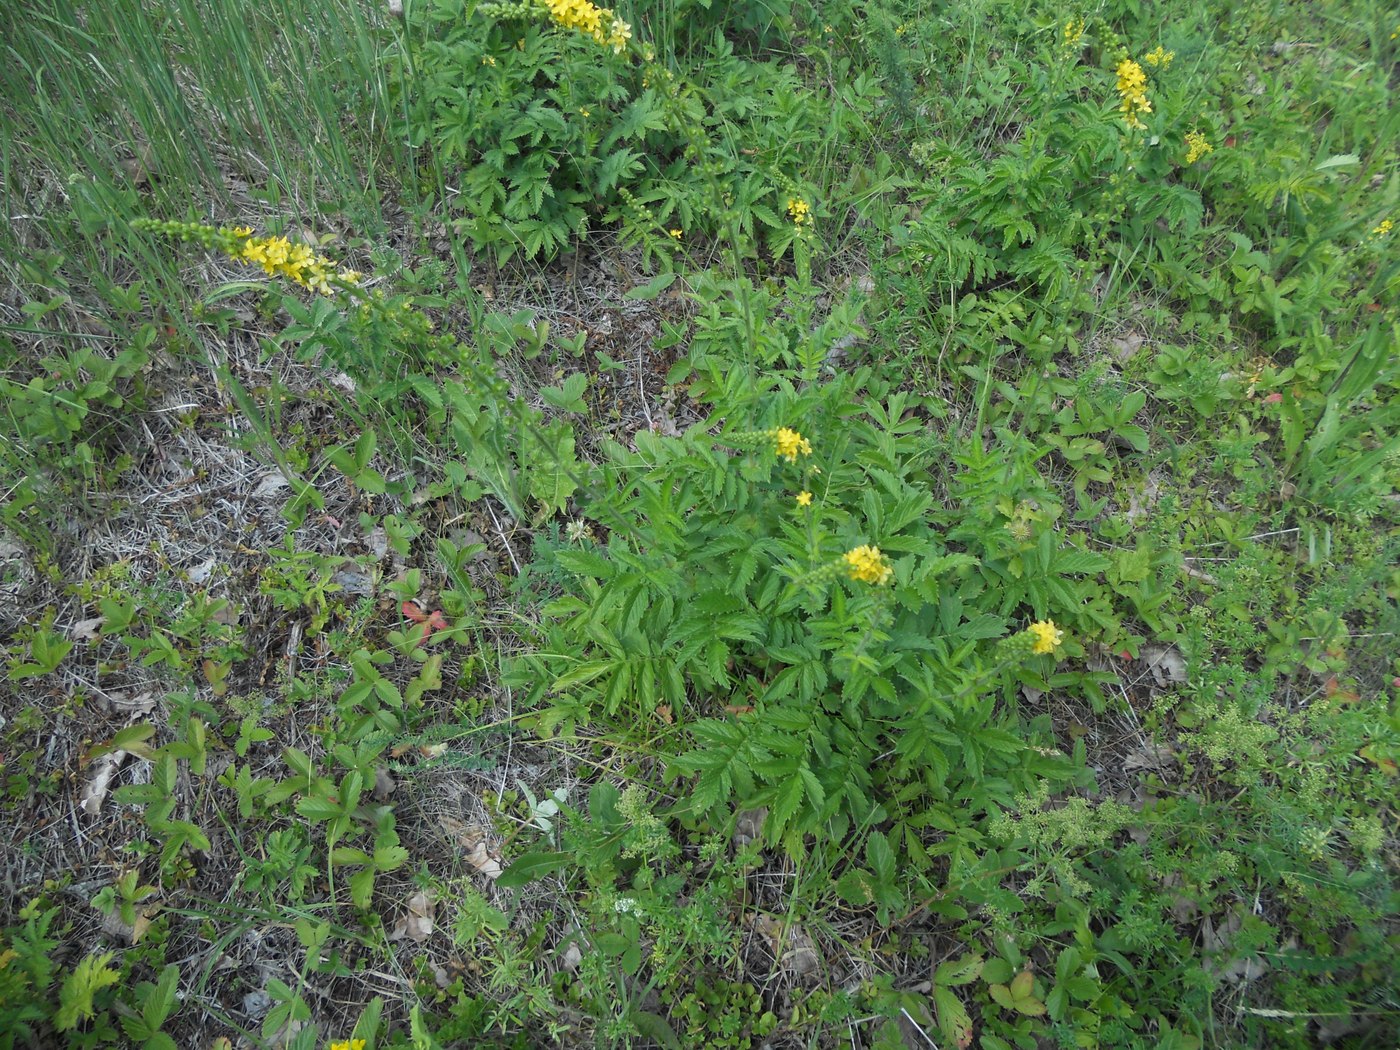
[416, 923]
[1166, 663]
[1219, 941]
[472, 839]
[99, 782]
[1156, 757]
[1125, 347]
[202, 571]
[572, 957]
[270, 484]
[791, 946]
[384, 784]
[86, 630]
[480, 858]
[749, 827]
[130, 703]
[113, 926]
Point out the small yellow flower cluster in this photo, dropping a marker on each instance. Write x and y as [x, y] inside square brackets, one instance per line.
[488, 60]
[800, 211]
[279, 257]
[789, 443]
[1073, 36]
[591, 20]
[349, 1044]
[1159, 59]
[1132, 87]
[1384, 228]
[675, 234]
[1048, 637]
[1196, 147]
[868, 565]
[804, 499]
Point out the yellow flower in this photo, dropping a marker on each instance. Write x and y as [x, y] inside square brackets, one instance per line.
[1073, 35]
[1047, 636]
[1159, 59]
[804, 499]
[488, 60]
[1132, 87]
[242, 231]
[279, 257]
[618, 35]
[675, 234]
[790, 444]
[799, 210]
[868, 565]
[1385, 227]
[590, 19]
[1197, 147]
[349, 1044]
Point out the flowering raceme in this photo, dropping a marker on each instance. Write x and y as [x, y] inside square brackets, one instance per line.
[277, 256]
[1197, 147]
[1072, 36]
[1132, 88]
[1047, 636]
[789, 444]
[868, 565]
[591, 20]
[1159, 59]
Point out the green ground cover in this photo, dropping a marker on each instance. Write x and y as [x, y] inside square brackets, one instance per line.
[699, 525]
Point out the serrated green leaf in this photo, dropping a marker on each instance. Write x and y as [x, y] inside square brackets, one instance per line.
[531, 866]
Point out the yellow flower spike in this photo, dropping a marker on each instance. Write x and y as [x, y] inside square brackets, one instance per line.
[1197, 147]
[1048, 637]
[799, 210]
[789, 444]
[1132, 87]
[804, 499]
[1159, 59]
[868, 565]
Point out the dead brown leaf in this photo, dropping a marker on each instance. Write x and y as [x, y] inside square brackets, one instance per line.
[86, 630]
[790, 945]
[99, 782]
[749, 827]
[1218, 941]
[1166, 663]
[416, 923]
[1125, 347]
[571, 958]
[114, 926]
[384, 784]
[472, 839]
[270, 484]
[1156, 757]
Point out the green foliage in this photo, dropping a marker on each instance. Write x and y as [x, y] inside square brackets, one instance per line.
[547, 135]
[1097, 749]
